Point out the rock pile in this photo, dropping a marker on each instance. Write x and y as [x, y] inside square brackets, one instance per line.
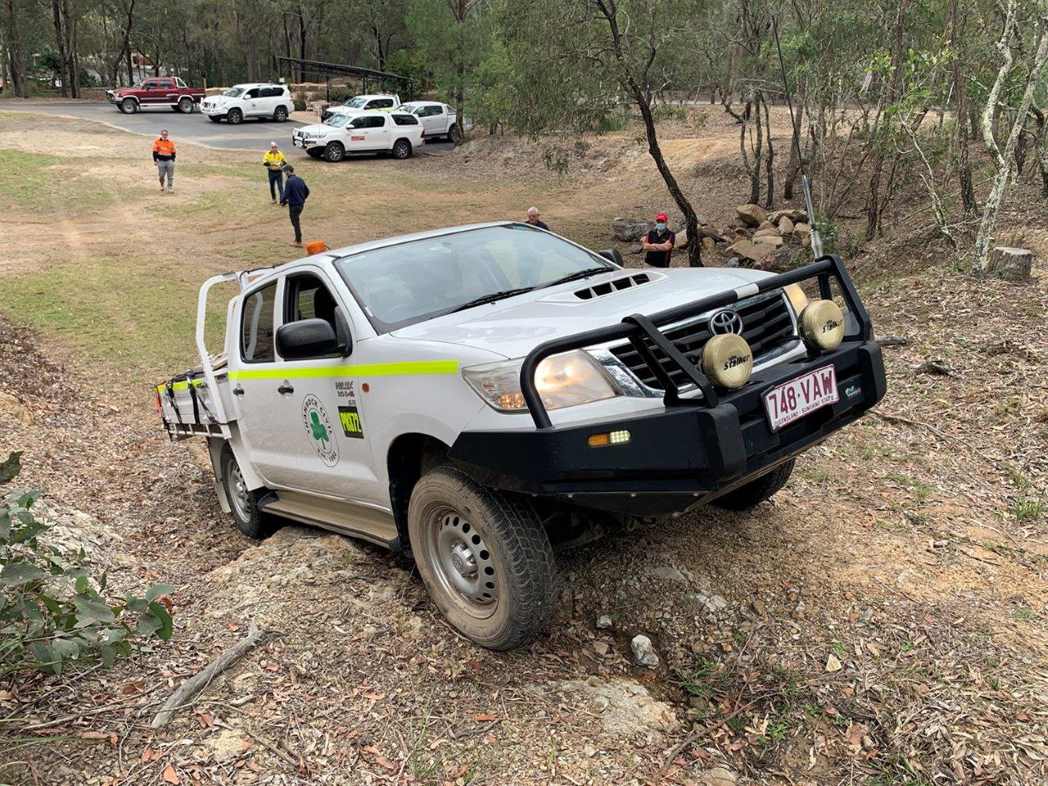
[763, 238]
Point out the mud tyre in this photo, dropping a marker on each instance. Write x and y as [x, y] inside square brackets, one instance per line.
[281, 114]
[234, 117]
[243, 503]
[334, 152]
[402, 149]
[129, 106]
[484, 557]
[757, 491]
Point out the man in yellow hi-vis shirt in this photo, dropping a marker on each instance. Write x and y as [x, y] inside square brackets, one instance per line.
[274, 162]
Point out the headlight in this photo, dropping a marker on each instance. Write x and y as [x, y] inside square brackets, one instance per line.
[822, 325]
[565, 380]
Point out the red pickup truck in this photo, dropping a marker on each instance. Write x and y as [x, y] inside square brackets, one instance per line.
[162, 91]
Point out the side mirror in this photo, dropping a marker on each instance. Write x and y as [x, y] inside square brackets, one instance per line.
[307, 338]
[343, 333]
[612, 255]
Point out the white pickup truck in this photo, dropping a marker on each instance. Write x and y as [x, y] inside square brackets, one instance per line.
[480, 395]
[438, 120]
[397, 133]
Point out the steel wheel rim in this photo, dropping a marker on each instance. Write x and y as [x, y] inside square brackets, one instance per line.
[463, 563]
[238, 494]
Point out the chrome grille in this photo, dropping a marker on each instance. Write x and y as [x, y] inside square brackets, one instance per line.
[767, 326]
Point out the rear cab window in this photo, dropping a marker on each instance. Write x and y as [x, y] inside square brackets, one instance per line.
[405, 120]
[257, 335]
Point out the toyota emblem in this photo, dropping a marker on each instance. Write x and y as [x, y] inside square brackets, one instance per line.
[726, 321]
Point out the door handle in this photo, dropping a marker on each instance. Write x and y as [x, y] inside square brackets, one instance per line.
[238, 390]
[285, 388]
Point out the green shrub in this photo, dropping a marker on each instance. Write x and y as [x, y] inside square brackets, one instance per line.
[338, 94]
[52, 611]
[300, 104]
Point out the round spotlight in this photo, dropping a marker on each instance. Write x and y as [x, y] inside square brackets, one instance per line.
[822, 325]
[728, 360]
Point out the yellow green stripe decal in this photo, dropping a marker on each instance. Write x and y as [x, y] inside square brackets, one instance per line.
[407, 368]
[180, 386]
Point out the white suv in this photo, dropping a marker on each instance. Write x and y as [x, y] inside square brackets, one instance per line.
[386, 102]
[398, 133]
[261, 101]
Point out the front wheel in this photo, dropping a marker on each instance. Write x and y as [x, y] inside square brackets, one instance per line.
[281, 114]
[484, 557]
[334, 151]
[242, 501]
[185, 106]
[756, 491]
[402, 149]
[234, 117]
[129, 106]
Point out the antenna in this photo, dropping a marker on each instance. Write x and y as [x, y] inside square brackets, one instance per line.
[816, 239]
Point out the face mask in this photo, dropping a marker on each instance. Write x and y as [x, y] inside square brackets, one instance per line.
[660, 227]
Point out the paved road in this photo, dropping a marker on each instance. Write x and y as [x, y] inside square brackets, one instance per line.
[250, 135]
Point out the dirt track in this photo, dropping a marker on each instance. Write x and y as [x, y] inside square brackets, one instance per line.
[882, 621]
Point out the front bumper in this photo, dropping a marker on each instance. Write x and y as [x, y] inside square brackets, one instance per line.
[678, 457]
[213, 111]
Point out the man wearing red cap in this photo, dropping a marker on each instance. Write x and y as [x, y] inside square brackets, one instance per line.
[659, 243]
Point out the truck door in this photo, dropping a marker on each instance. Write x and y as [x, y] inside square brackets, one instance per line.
[433, 120]
[320, 415]
[252, 364]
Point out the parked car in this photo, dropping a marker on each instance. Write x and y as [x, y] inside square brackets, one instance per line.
[371, 132]
[261, 101]
[475, 395]
[438, 120]
[357, 104]
[165, 92]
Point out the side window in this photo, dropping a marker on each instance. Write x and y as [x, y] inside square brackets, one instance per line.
[373, 122]
[405, 120]
[252, 93]
[431, 111]
[256, 326]
[380, 103]
[149, 85]
[358, 122]
[307, 297]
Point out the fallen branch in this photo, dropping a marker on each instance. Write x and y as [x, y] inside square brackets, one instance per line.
[201, 680]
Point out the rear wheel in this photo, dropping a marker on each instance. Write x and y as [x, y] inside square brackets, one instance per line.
[242, 501]
[455, 135]
[129, 106]
[281, 114]
[334, 151]
[185, 105]
[484, 557]
[235, 116]
[402, 149]
[757, 491]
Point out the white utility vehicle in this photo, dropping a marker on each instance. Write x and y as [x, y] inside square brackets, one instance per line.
[371, 132]
[240, 102]
[438, 120]
[479, 395]
[384, 102]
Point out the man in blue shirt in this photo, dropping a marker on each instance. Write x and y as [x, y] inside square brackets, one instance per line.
[295, 194]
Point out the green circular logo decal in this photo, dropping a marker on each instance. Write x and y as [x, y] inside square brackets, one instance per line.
[319, 432]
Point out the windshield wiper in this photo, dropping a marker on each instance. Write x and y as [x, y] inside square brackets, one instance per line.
[480, 301]
[590, 271]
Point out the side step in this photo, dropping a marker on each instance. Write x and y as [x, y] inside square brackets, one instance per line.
[346, 518]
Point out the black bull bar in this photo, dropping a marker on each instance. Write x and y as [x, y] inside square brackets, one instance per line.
[637, 327]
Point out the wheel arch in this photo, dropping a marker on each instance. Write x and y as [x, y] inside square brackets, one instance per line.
[409, 457]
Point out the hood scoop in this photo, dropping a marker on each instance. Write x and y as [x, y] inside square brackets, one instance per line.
[613, 286]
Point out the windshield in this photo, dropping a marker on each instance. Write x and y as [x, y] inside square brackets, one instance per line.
[412, 108]
[356, 103]
[233, 92]
[411, 282]
[337, 120]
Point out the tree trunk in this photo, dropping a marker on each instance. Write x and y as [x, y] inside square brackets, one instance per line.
[60, 44]
[770, 161]
[15, 49]
[1004, 158]
[793, 168]
[72, 26]
[874, 202]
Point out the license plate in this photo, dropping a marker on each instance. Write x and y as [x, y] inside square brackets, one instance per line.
[801, 396]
